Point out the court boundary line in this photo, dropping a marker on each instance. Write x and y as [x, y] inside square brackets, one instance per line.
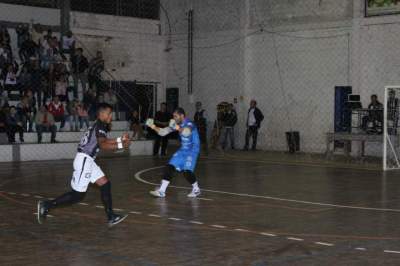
[339, 206]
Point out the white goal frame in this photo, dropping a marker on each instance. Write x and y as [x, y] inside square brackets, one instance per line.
[388, 145]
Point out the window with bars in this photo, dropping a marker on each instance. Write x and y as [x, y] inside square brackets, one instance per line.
[148, 9]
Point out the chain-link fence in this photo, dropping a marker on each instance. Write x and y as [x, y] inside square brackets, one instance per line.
[52, 81]
[311, 66]
[290, 56]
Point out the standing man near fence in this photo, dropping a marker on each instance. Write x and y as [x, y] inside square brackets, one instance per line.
[200, 120]
[229, 122]
[254, 119]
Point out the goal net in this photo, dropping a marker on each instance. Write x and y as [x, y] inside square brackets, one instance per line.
[391, 141]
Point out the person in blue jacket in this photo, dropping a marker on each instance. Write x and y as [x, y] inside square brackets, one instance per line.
[185, 159]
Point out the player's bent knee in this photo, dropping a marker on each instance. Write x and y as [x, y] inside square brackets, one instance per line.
[101, 181]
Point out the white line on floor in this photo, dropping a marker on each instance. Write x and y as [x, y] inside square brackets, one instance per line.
[38, 197]
[154, 215]
[392, 251]
[267, 234]
[205, 199]
[218, 226]
[361, 249]
[25, 195]
[135, 212]
[138, 178]
[241, 230]
[100, 207]
[119, 210]
[174, 219]
[83, 203]
[48, 215]
[295, 239]
[324, 244]
[195, 222]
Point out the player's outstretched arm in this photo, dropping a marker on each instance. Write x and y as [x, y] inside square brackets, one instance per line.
[114, 144]
[160, 131]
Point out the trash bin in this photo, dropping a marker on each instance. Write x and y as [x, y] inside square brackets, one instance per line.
[293, 141]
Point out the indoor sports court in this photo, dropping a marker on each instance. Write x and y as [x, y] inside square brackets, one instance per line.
[199, 132]
[250, 213]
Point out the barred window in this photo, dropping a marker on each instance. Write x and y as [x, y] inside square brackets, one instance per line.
[148, 9]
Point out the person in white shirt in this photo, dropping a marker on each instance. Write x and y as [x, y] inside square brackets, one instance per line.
[68, 43]
[254, 119]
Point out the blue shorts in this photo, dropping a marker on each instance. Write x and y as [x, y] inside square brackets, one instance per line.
[184, 160]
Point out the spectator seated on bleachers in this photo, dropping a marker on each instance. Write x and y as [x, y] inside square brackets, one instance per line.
[56, 108]
[28, 49]
[83, 114]
[3, 98]
[45, 123]
[14, 124]
[72, 109]
[61, 88]
[27, 109]
[10, 79]
[3, 121]
[68, 43]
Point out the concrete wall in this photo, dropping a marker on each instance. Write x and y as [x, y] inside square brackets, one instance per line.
[239, 45]
[132, 47]
[60, 151]
[317, 45]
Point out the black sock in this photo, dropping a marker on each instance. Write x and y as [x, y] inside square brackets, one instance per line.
[68, 198]
[107, 199]
[190, 177]
[169, 172]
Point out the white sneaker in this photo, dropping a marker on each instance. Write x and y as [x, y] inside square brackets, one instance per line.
[157, 193]
[195, 193]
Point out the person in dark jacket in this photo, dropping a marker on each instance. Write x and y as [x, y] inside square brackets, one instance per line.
[14, 124]
[229, 122]
[161, 119]
[254, 119]
[200, 120]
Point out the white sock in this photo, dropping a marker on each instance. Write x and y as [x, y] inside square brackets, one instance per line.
[195, 186]
[164, 185]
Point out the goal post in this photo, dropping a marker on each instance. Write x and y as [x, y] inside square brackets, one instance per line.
[391, 133]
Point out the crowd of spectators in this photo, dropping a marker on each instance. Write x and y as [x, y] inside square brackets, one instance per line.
[39, 85]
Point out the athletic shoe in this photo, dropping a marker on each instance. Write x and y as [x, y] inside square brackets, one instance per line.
[195, 193]
[42, 211]
[157, 193]
[116, 219]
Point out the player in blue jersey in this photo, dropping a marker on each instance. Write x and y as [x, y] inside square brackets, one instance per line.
[184, 160]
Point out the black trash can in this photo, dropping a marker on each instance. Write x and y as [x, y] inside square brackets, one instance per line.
[293, 141]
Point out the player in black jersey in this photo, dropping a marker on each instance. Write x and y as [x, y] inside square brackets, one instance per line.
[87, 171]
